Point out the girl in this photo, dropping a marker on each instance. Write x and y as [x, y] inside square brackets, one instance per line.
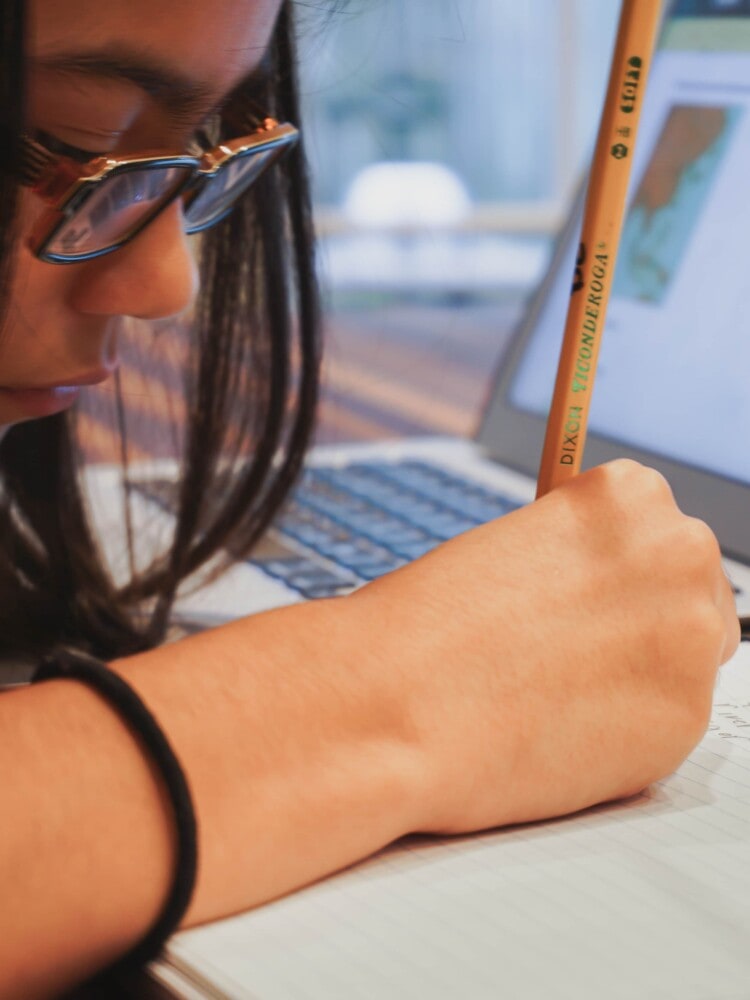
[305, 738]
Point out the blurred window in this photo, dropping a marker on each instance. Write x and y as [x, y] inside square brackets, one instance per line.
[504, 94]
[446, 138]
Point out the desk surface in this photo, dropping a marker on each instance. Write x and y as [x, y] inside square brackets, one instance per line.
[389, 371]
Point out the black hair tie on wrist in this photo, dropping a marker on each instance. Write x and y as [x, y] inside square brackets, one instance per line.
[73, 664]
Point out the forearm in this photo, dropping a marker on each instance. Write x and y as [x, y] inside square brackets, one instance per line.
[299, 763]
[298, 753]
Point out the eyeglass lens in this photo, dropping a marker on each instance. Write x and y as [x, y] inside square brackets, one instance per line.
[217, 193]
[117, 207]
[122, 203]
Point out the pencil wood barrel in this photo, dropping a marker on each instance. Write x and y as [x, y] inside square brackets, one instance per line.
[603, 218]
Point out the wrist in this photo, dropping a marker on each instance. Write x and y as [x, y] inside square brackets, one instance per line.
[292, 734]
[377, 708]
[393, 662]
[460, 706]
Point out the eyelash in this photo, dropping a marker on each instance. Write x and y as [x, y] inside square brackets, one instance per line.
[55, 145]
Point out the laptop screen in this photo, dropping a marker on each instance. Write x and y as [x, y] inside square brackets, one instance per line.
[674, 369]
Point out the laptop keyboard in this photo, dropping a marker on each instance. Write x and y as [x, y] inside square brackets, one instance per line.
[368, 519]
[345, 526]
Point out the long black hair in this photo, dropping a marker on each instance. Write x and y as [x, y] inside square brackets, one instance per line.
[250, 385]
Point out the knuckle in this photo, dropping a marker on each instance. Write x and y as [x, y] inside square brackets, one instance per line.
[707, 640]
[622, 469]
[611, 482]
[707, 621]
[699, 541]
[625, 472]
[656, 483]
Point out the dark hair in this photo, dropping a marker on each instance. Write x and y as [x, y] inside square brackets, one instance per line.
[250, 388]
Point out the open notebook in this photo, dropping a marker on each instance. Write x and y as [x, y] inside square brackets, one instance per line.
[648, 898]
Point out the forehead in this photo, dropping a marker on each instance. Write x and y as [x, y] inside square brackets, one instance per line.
[207, 44]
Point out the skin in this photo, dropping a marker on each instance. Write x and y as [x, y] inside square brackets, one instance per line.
[562, 656]
[61, 330]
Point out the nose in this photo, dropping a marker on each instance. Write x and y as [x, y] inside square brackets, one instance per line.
[152, 277]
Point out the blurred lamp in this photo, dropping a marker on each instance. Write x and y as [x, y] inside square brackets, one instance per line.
[402, 194]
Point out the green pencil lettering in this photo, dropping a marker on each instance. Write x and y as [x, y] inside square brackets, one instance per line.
[572, 430]
[592, 314]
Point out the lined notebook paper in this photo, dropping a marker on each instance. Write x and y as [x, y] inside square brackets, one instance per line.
[648, 898]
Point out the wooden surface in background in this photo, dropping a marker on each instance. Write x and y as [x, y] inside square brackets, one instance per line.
[389, 371]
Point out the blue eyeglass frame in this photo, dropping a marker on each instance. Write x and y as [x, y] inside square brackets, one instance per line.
[65, 184]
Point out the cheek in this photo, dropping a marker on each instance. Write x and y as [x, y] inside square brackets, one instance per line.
[37, 292]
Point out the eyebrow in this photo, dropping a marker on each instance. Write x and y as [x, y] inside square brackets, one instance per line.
[184, 97]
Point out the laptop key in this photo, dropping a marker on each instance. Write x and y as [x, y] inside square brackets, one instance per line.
[450, 528]
[319, 578]
[308, 577]
[283, 568]
[394, 532]
[317, 592]
[307, 534]
[367, 558]
[375, 572]
[413, 550]
[339, 550]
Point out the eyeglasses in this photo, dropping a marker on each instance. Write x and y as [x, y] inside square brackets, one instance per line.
[97, 206]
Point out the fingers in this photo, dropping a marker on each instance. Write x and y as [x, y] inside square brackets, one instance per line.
[695, 552]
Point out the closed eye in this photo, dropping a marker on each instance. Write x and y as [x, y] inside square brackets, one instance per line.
[55, 145]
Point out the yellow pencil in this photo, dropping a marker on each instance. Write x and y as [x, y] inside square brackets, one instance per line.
[600, 234]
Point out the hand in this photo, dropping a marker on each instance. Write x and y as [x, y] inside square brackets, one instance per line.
[561, 656]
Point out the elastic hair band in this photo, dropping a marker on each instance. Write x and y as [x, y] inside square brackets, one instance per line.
[75, 665]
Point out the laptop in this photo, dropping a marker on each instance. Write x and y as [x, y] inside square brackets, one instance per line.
[673, 386]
